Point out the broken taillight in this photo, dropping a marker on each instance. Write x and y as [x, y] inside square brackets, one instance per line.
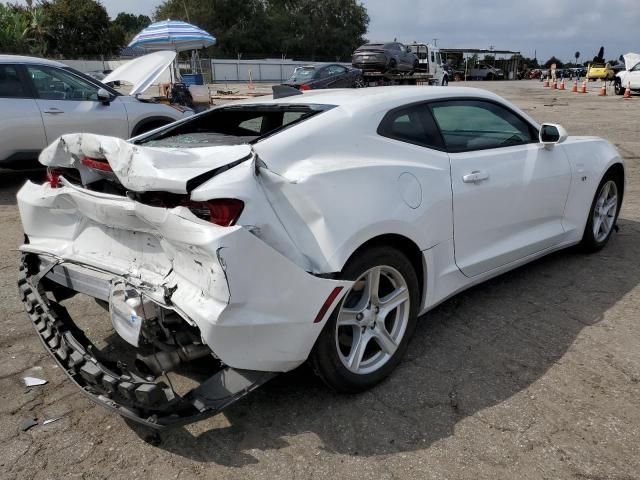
[53, 177]
[96, 164]
[222, 211]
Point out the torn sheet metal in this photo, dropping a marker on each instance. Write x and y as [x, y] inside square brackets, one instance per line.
[139, 168]
[254, 307]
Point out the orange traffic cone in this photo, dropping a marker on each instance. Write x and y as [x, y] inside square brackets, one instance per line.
[627, 92]
[574, 89]
[546, 82]
[554, 85]
[584, 87]
[562, 86]
[603, 90]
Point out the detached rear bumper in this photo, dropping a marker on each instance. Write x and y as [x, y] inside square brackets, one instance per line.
[106, 383]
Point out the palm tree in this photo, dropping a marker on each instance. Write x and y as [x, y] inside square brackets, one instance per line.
[37, 31]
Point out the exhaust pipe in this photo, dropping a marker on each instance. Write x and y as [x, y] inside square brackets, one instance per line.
[168, 360]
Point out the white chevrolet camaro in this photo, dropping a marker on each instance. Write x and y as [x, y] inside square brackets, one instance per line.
[314, 226]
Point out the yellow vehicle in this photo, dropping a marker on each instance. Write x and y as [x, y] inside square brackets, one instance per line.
[600, 71]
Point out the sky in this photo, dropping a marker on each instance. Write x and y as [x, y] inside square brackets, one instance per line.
[545, 27]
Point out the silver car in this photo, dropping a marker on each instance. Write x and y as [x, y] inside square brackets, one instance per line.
[42, 99]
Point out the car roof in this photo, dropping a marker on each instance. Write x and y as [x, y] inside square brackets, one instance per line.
[29, 60]
[376, 98]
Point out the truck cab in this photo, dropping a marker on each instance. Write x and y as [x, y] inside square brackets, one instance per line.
[430, 61]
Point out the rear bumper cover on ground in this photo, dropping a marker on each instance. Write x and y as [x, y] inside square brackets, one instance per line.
[106, 383]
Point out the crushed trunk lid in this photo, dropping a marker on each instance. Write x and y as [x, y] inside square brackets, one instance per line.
[145, 169]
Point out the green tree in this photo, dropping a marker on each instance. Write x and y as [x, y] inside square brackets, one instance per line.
[14, 24]
[553, 60]
[37, 32]
[130, 24]
[331, 28]
[81, 28]
[600, 57]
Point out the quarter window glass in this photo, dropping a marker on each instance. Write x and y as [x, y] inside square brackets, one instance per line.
[56, 84]
[475, 125]
[636, 68]
[10, 84]
[412, 125]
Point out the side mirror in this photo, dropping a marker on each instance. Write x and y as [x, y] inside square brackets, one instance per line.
[552, 134]
[104, 96]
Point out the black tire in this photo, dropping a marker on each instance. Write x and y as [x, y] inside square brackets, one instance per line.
[393, 66]
[618, 88]
[589, 243]
[489, 76]
[325, 358]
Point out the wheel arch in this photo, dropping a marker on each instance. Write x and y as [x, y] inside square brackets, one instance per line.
[404, 245]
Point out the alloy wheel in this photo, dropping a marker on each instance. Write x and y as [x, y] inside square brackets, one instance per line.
[372, 320]
[605, 211]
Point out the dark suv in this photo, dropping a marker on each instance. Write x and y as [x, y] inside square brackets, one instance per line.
[384, 57]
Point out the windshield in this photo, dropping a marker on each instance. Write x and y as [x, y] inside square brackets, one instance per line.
[303, 74]
[233, 125]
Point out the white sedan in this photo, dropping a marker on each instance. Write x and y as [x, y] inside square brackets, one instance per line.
[313, 226]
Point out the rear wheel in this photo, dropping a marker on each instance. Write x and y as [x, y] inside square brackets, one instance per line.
[603, 214]
[619, 89]
[368, 333]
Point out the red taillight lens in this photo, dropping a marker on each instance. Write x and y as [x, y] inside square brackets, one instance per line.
[304, 87]
[96, 164]
[53, 177]
[223, 211]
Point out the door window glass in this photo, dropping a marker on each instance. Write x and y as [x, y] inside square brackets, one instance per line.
[475, 125]
[433, 58]
[56, 84]
[10, 84]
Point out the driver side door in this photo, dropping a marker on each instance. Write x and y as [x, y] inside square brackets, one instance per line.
[509, 192]
[69, 104]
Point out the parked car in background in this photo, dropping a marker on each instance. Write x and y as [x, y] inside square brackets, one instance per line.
[40, 100]
[454, 74]
[314, 226]
[630, 76]
[600, 71]
[385, 57]
[314, 77]
[485, 72]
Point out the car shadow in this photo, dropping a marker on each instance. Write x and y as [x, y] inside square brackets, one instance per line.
[474, 351]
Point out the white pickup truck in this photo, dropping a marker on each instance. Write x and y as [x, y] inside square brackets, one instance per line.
[485, 72]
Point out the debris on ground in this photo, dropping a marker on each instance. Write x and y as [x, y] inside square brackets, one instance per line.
[27, 423]
[34, 381]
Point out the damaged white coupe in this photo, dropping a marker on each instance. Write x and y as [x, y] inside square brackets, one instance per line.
[314, 227]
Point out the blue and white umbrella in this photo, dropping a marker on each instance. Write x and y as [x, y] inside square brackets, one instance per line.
[172, 35]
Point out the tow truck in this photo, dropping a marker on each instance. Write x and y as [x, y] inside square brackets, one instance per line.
[429, 72]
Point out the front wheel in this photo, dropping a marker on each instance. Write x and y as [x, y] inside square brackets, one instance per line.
[618, 88]
[603, 214]
[367, 334]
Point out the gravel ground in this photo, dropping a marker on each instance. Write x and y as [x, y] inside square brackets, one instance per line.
[535, 374]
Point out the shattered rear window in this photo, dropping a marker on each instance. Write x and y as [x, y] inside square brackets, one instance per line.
[232, 125]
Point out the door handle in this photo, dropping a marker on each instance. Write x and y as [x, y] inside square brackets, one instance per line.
[475, 177]
[54, 111]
